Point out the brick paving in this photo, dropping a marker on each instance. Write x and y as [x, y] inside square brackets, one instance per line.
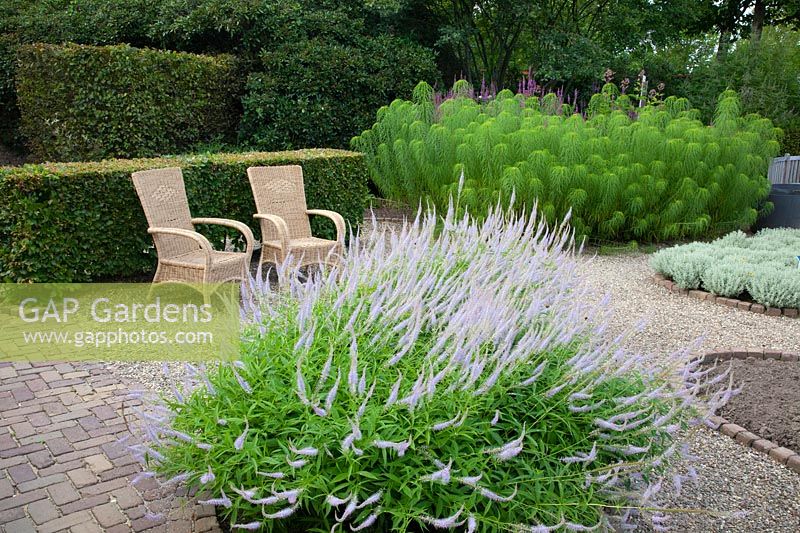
[61, 467]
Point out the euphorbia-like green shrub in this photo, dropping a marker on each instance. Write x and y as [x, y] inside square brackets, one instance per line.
[436, 378]
[763, 266]
[649, 174]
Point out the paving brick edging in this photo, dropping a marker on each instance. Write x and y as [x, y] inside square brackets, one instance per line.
[742, 305]
[62, 465]
[784, 456]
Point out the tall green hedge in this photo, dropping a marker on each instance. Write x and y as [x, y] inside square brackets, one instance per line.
[86, 103]
[9, 114]
[317, 93]
[70, 222]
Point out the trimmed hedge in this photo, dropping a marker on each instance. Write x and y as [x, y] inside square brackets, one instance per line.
[86, 103]
[317, 93]
[9, 114]
[71, 222]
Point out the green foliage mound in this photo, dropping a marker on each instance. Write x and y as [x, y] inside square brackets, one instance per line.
[317, 93]
[73, 222]
[654, 174]
[449, 376]
[763, 267]
[85, 103]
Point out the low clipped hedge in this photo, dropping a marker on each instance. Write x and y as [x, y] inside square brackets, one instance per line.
[72, 222]
[86, 103]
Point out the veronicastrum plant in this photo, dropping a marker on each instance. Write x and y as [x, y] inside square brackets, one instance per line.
[764, 266]
[449, 375]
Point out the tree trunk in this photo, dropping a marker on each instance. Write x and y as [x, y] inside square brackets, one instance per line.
[722, 45]
[759, 12]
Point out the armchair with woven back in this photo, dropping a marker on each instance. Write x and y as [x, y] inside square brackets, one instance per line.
[186, 255]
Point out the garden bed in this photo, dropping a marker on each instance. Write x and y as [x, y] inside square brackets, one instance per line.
[744, 270]
[743, 305]
[765, 415]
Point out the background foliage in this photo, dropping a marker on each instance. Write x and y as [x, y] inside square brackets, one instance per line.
[318, 93]
[763, 72]
[654, 174]
[51, 231]
[82, 102]
[284, 42]
[693, 47]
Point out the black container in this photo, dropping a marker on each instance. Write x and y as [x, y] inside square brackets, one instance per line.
[786, 214]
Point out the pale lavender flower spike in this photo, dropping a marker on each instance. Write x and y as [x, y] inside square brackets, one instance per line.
[368, 521]
[283, 513]
[335, 501]
[453, 422]
[472, 524]
[374, 498]
[399, 447]
[142, 476]
[496, 497]
[208, 477]
[449, 522]
[298, 463]
[350, 509]
[222, 501]
[239, 443]
[442, 475]
[309, 451]
[251, 526]
[581, 457]
[273, 475]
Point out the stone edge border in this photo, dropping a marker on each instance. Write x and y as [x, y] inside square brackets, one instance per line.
[742, 305]
[782, 455]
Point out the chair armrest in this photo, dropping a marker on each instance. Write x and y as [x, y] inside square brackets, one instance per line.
[337, 219]
[205, 246]
[244, 229]
[280, 226]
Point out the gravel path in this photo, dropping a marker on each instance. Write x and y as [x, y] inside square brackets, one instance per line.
[675, 321]
[732, 479]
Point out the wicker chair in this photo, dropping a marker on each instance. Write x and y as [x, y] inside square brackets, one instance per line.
[284, 216]
[184, 254]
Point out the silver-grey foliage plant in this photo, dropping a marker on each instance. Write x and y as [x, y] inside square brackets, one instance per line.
[764, 266]
[452, 375]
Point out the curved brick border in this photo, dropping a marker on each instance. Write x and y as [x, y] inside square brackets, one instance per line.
[729, 302]
[784, 456]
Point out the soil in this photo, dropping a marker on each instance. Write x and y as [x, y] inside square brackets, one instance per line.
[769, 404]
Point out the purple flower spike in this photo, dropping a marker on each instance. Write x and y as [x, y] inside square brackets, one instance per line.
[239, 443]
